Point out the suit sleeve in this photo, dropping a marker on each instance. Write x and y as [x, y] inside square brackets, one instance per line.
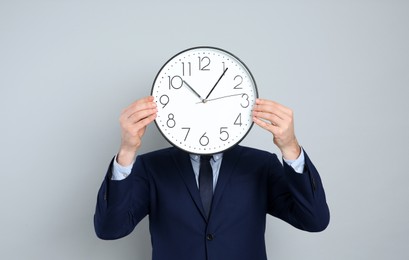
[121, 205]
[299, 199]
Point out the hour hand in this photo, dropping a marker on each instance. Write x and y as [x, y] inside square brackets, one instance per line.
[194, 91]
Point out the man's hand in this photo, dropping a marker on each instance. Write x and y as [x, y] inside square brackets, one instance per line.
[278, 120]
[133, 121]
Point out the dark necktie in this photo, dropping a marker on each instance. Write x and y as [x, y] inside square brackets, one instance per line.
[206, 182]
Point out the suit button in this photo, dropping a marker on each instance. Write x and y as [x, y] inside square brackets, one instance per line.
[209, 237]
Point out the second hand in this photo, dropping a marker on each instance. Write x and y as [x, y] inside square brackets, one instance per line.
[232, 95]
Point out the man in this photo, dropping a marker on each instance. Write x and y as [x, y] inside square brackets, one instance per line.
[248, 184]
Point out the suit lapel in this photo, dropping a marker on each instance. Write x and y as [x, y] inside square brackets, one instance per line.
[230, 159]
[182, 160]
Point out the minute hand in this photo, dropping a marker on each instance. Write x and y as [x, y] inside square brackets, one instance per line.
[224, 72]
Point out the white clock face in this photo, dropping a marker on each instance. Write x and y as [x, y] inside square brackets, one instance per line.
[205, 98]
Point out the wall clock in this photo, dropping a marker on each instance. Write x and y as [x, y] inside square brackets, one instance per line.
[205, 97]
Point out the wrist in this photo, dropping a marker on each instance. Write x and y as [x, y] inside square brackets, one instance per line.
[291, 151]
[125, 157]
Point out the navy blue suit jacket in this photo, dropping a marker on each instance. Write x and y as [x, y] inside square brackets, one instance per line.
[251, 184]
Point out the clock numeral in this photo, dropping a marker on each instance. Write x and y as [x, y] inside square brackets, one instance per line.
[204, 140]
[246, 99]
[238, 120]
[224, 135]
[164, 100]
[188, 68]
[187, 132]
[240, 79]
[175, 82]
[204, 63]
[224, 65]
[171, 121]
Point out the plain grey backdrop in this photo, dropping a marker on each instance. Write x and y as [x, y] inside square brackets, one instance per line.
[68, 68]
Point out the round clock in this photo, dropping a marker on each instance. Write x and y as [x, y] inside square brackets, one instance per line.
[205, 97]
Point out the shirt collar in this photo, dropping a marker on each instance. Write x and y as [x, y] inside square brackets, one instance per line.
[216, 157]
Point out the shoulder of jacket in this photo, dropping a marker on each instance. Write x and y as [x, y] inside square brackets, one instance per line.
[159, 152]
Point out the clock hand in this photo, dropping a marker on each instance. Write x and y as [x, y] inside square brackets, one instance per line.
[194, 91]
[224, 72]
[233, 95]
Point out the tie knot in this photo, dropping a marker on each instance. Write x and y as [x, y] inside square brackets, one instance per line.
[206, 158]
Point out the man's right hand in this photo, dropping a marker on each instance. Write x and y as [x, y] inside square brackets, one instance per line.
[134, 120]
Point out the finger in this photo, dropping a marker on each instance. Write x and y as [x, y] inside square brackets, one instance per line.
[260, 101]
[141, 104]
[141, 124]
[136, 108]
[272, 107]
[135, 118]
[272, 118]
[267, 126]
[279, 114]
[138, 116]
[138, 129]
[139, 107]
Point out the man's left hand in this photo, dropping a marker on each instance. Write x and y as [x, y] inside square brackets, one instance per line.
[278, 120]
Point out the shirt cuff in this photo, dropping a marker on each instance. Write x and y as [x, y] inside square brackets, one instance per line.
[120, 172]
[297, 164]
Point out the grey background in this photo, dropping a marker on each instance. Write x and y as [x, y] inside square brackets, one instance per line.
[68, 68]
